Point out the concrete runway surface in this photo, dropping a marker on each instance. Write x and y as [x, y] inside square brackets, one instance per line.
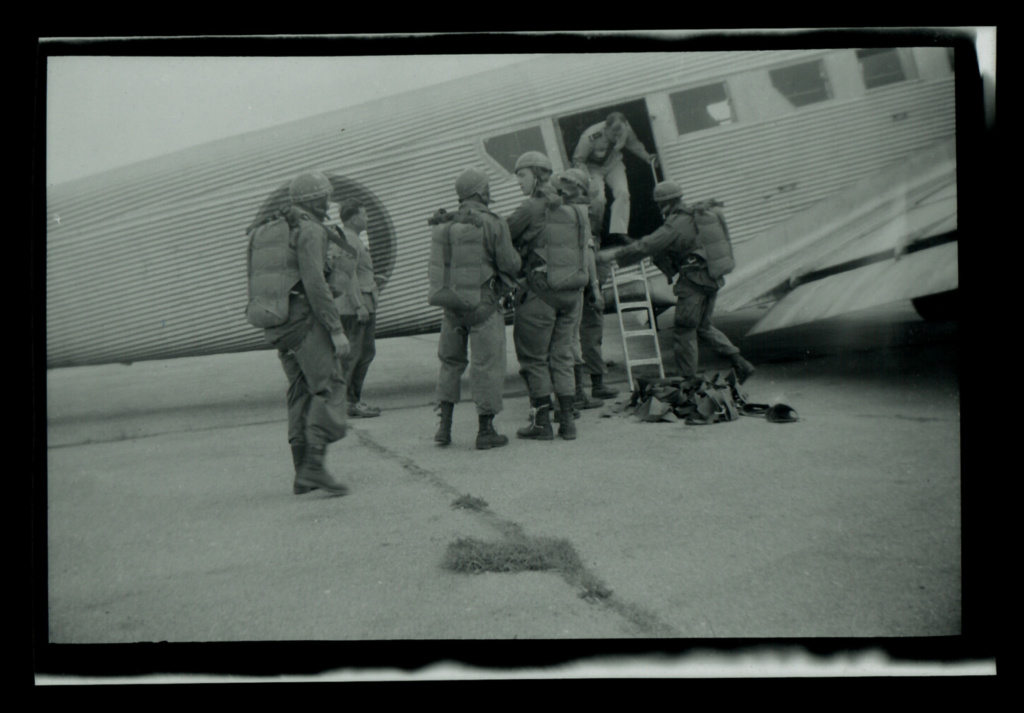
[170, 515]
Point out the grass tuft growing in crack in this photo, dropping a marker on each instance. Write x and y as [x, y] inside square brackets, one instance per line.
[469, 502]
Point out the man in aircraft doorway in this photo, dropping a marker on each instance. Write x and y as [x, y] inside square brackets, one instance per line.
[599, 152]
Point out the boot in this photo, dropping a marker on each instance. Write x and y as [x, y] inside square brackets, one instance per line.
[444, 430]
[566, 426]
[540, 421]
[581, 400]
[312, 474]
[487, 437]
[598, 390]
[744, 369]
[298, 453]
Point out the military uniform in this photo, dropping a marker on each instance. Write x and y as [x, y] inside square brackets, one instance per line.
[316, 387]
[352, 283]
[677, 243]
[601, 156]
[544, 321]
[481, 331]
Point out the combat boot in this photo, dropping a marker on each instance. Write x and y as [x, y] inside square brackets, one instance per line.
[581, 400]
[487, 437]
[444, 430]
[298, 453]
[312, 474]
[540, 421]
[598, 390]
[744, 369]
[566, 426]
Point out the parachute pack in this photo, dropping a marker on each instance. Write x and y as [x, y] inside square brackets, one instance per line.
[273, 270]
[559, 260]
[455, 269]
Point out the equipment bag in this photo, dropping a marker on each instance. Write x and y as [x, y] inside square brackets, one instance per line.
[273, 270]
[455, 269]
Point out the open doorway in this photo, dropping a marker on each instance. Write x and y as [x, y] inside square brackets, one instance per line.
[644, 217]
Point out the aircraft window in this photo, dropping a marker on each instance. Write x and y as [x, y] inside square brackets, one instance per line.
[505, 149]
[880, 67]
[802, 84]
[702, 108]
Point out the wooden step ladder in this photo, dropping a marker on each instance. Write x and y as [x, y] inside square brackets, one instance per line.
[651, 331]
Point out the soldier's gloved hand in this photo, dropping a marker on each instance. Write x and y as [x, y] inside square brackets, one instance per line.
[598, 302]
[340, 341]
[380, 280]
[362, 314]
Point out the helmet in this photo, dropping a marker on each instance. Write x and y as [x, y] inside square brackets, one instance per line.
[470, 182]
[308, 187]
[577, 176]
[532, 159]
[666, 191]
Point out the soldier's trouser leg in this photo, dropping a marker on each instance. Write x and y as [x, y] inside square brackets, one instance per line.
[452, 352]
[690, 307]
[487, 364]
[316, 391]
[597, 198]
[560, 357]
[362, 350]
[591, 338]
[577, 349]
[615, 177]
[531, 334]
[713, 337]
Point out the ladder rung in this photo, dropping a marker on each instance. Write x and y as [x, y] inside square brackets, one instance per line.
[634, 305]
[629, 278]
[640, 362]
[640, 333]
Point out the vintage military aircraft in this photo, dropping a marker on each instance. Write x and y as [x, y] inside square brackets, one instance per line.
[837, 168]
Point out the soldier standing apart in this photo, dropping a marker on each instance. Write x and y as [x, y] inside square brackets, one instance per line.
[694, 244]
[289, 297]
[356, 294]
[572, 185]
[551, 238]
[478, 262]
[599, 152]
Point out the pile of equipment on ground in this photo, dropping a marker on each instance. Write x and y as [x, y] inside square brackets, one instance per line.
[697, 400]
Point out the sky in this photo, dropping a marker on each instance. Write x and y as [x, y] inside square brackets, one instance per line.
[106, 112]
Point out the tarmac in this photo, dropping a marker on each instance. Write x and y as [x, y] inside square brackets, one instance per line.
[170, 516]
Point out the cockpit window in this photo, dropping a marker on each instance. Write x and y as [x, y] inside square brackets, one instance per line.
[506, 148]
[702, 108]
[802, 84]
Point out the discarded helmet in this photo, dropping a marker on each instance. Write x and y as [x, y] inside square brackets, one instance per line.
[309, 187]
[577, 176]
[666, 191]
[470, 182]
[532, 159]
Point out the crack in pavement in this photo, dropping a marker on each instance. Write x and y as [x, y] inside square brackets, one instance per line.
[647, 623]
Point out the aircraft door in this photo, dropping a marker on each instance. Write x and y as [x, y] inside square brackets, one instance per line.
[644, 216]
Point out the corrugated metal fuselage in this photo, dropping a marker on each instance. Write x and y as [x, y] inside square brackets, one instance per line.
[148, 261]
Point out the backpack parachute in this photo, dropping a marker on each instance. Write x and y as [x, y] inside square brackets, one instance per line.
[562, 250]
[713, 233]
[455, 269]
[273, 270]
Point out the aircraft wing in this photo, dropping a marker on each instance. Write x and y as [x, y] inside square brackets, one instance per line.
[889, 237]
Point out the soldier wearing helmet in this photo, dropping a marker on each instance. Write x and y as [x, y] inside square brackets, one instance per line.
[692, 247]
[590, 327]
[310, 339]
[544, 231]
[599, 153]
[476, 338]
